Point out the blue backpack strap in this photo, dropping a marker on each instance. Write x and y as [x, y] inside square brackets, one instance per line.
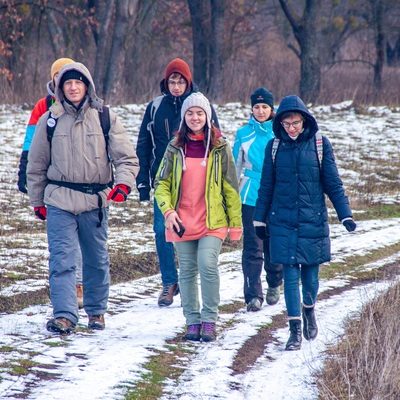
[320, 147]
[275, 146]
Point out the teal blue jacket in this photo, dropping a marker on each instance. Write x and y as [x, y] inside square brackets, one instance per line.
[248, 152]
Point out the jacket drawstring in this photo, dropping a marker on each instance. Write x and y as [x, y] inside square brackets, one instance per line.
[204, 163]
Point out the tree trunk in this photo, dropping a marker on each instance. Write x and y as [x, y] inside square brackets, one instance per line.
[378, 17]
[102, 14]
[200, 17]
[310, 83]
[216, 50]
[56, 34]
[124, 13]
[305, 32]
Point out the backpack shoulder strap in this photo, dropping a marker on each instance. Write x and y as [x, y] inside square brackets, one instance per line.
[105, 123]
[275, 146]
[51, 127]
[154, 107]
[320, 147]
[49, 101]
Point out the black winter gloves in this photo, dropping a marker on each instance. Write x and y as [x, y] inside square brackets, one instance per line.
[23, 162]
[261, 232]
[144, 194]
[350, 225]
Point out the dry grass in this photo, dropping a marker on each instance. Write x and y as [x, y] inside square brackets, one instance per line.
[366, 364]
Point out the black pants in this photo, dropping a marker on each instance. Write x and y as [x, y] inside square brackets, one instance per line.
[256, 253]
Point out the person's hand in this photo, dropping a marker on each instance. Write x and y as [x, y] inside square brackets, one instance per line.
[172, 220]
[23, 163]
[261, 232]
[22, 183]
[144, 195]
[350, 225]
[40, 212]
[119, 193]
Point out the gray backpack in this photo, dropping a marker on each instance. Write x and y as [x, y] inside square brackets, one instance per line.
[154, 107]
[318, 144]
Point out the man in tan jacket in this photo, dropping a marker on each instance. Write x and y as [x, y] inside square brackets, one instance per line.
[69, 179]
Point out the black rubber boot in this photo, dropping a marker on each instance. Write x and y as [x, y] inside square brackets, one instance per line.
[294, 342]
[310, 328]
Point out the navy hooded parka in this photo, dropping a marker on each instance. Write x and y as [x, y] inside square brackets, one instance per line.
[291, 198]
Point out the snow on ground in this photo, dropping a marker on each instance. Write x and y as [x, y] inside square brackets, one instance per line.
[101, 365]
[95, 365]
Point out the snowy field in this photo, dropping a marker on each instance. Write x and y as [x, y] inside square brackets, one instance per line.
[102, 365]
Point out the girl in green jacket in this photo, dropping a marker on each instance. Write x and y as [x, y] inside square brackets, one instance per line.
[196, 189]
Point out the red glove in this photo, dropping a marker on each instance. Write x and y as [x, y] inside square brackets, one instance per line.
[119, 193]
[40, 212]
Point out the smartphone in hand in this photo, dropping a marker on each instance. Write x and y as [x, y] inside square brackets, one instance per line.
[181, 230]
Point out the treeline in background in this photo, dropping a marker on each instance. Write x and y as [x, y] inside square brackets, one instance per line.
[326, 51]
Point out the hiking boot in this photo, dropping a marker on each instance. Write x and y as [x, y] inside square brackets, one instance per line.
[254, 305]
[310, 328]
[272, 296]
[193, 332]
[60, 325]
[96, 322]
[167, 294]
[79, 295]
[208, 333]
[294, 342]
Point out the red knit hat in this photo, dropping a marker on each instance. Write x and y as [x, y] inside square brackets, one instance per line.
[179, 66]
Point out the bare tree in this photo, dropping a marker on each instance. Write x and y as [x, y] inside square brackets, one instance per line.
[100, 13]
[201, 32]
[207, 18]
[305, 31]
[216, 86]
[56, 33]
[125, 11]
[378, 11]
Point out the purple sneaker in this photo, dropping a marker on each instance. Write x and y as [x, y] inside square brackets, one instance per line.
[208, 333]
[193, 332]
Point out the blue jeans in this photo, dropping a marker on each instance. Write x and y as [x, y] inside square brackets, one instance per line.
[68, 235]
[291, 285]
[165, 250]
[199, 256]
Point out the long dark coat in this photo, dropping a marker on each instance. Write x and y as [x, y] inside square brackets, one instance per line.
[291, 198]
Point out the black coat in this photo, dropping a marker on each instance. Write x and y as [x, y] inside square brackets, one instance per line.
[152, 144]
[291, 198]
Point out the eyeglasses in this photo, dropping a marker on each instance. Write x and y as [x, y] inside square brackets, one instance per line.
[295, 124]
[174, 83]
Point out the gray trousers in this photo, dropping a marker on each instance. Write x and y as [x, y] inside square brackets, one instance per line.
[68, 234]
[199, 256]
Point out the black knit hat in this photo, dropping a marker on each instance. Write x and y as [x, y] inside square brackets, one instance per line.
[73, 74]
[262, 95]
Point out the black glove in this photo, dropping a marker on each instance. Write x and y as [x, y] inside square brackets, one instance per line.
[23, 162]
[144, 194]
[350, 225]
[261, 232]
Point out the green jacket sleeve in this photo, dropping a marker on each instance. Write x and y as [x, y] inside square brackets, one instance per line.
[231, 189]
[166, 184]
